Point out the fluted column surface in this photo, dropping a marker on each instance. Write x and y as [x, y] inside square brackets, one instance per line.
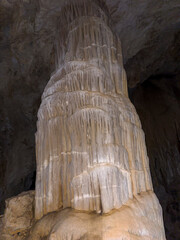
[90, 146]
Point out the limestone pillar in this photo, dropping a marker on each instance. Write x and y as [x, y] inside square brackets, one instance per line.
[91, 153]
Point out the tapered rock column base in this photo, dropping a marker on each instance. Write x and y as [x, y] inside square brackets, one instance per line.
[91, 153]
[140, 218]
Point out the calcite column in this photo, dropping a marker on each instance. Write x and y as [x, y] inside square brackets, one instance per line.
[91, 153]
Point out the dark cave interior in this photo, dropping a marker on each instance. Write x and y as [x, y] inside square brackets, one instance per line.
[150, 35]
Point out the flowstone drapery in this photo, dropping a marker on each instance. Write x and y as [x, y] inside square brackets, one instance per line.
[91, 153]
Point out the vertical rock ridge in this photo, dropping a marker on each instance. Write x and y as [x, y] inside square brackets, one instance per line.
[91, 152]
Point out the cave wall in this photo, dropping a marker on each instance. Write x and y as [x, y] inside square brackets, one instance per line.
[25, 69]
[157, 103]
[150, 36]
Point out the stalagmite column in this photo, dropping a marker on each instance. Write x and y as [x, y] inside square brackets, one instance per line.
[91, 153]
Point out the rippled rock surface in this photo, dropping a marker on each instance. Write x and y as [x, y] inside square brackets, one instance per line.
[91, 153]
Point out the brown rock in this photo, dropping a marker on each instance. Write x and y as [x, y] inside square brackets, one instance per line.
[139, 219]
[18, 217]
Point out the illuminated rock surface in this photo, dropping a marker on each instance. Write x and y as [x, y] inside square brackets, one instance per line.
[140, 218]
[91, 153]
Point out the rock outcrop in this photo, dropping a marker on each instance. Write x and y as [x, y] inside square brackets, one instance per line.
[91, 153]
[18, 217]
[131, 222]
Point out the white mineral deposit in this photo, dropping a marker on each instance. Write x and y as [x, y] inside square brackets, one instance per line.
[91, 152]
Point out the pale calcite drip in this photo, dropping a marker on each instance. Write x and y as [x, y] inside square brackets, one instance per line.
[91, 152]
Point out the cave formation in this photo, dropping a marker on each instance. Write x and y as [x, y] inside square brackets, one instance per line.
[150, 44]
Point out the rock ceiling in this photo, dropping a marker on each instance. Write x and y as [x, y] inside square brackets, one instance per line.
[149, 31]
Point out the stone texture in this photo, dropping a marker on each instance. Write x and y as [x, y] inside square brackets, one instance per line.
[91, 152]
[18, 217]
[149, 32]
[139, 218]
[90, 147]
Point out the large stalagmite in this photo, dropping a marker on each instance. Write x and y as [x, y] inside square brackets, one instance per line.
[91, 153]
